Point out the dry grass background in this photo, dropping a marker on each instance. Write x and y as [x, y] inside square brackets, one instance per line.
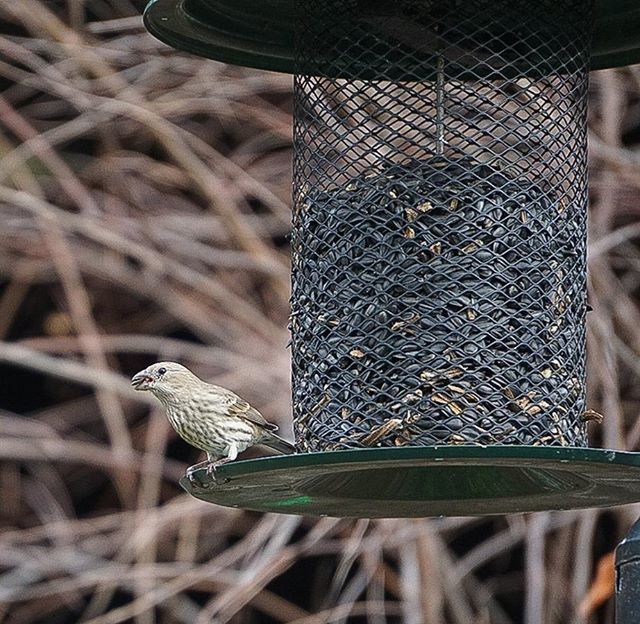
[144, 210]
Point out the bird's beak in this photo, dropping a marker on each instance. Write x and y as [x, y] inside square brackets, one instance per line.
[142, 381]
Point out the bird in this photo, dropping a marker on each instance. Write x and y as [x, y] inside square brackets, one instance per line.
[209, 417]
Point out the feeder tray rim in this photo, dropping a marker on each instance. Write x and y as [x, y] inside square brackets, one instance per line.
[465, 480]
[261, 35]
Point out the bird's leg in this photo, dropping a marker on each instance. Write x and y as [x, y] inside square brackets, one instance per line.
[232, 453]
[212, 462]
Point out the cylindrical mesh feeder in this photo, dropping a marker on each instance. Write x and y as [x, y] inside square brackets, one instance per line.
[439, 223]
[439, 239]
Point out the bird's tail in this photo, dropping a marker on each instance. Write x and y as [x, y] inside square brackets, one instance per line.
[278, 444]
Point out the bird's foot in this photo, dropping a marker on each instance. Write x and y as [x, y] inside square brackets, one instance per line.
[212, 470]
[192, 470]
[193, 480]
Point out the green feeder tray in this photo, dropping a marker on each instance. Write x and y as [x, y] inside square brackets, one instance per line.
[425, 481]
[260, 34]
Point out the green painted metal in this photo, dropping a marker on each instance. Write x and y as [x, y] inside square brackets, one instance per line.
[425, 481]
[260, 34]
[408, 481]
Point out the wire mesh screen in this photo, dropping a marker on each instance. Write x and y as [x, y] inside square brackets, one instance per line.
[438, 291]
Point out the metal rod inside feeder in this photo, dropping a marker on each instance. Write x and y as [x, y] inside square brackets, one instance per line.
[440, 105]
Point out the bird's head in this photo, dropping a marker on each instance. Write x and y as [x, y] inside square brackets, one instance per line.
[166, 380]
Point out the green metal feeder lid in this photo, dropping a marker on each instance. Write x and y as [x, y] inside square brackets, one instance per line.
[425, 481]
[260, 34]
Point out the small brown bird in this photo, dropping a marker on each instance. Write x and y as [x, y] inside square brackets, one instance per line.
[208, 417]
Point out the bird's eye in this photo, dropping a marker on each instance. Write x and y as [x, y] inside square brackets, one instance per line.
[162, 371]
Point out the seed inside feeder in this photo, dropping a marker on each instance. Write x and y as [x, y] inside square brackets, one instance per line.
[456, 300]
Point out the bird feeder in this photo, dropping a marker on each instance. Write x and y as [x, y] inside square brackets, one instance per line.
[439, 250]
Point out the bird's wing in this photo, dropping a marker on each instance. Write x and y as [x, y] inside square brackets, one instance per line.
[240, 408]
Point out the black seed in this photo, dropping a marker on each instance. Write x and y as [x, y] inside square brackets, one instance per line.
[356, 272]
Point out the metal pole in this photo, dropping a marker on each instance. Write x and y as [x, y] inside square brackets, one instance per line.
[440, 106]
[628, 577]
[439, 95]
